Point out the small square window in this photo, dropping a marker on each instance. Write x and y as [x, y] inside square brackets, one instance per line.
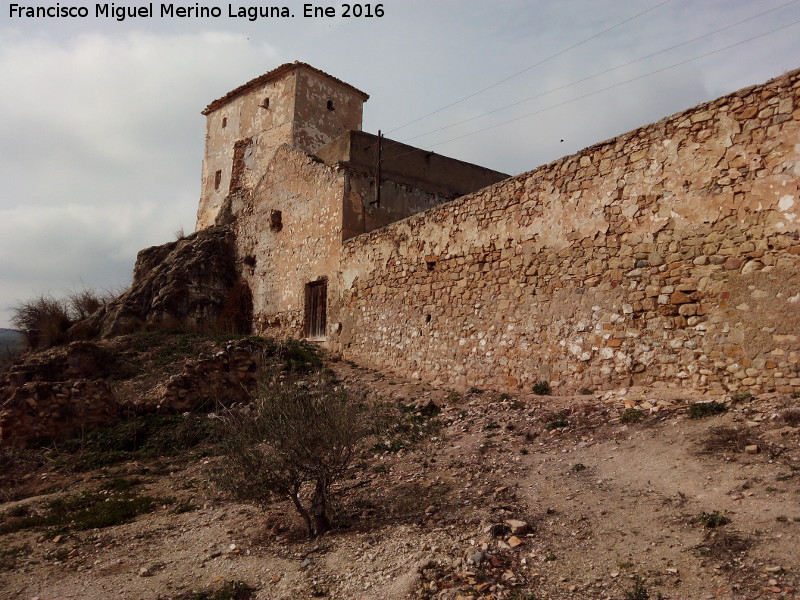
[330, 105]
[217, 179]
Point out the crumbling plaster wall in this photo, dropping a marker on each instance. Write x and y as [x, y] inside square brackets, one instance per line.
[316, 121]
[668, 254]
[244, 117]
[277, 263]
[297, 114]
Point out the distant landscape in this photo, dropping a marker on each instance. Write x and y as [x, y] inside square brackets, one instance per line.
[11, 342]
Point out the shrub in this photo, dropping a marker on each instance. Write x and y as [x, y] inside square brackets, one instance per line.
[728, 439]
[700, 410]
[44, 320]
[712, 520]
[631, 415]
[741, 396]
[638, 591]
[295, 438]
[541, 388]
[791, 416]
[82, 304]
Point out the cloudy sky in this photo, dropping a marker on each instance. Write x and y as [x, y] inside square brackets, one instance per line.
[102, 138]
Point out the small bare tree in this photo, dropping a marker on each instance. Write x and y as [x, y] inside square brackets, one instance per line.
[294, 441]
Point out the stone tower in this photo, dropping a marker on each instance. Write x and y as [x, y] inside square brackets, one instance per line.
[294, 104]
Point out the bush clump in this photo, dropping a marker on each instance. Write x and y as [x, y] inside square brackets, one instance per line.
[541, 388]
[45, 319]
[712, 520]
[631, 415]
[701, 410]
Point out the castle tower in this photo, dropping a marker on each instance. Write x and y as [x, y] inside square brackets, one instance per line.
[293, 104]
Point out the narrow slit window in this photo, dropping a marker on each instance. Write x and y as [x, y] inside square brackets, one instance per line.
[224, 122]
[265, 103]
[217, 179]
[275, 220]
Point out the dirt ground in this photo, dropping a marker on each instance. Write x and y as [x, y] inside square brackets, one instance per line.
[608, 495]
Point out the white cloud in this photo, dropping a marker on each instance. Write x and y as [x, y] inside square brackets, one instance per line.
[102, 142]
[101, 138]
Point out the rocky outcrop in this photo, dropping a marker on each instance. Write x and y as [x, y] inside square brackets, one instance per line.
[179, 285]
[69, 390]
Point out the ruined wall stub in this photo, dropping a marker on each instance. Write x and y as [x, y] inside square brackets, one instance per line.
[669, 254]
[294, 104]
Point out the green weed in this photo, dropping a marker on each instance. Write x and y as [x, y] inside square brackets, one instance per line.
[631, 415]
[88, 510]
[712, 520]
[701, 410]
[541, 388]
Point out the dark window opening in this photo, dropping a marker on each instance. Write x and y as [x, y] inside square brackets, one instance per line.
[316, 309]
[430, 264]
[217, 179]
[265, 103]
[224, 122]
[275, 220]
[330, 105]
[427, 318]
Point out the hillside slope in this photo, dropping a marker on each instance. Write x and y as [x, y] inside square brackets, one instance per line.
[617, 495]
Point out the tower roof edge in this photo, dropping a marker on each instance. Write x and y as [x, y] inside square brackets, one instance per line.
[274, 74]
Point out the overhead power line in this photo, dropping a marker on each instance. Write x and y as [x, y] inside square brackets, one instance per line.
[594, 93]
[526, 69]
[588, 77]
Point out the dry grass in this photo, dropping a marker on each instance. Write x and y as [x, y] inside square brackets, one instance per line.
[724, 546]
[45, 319]
[728, 439]
[791, 416]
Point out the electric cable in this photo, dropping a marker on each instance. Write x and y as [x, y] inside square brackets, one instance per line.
[587, 95]
[588, 77]
[525, 70]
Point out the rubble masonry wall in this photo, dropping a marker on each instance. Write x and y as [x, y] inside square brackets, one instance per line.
[667, 254]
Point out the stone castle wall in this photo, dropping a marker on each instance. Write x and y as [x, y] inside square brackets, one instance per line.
[667, 254]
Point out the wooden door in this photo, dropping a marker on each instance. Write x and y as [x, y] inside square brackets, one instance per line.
[316, 309]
